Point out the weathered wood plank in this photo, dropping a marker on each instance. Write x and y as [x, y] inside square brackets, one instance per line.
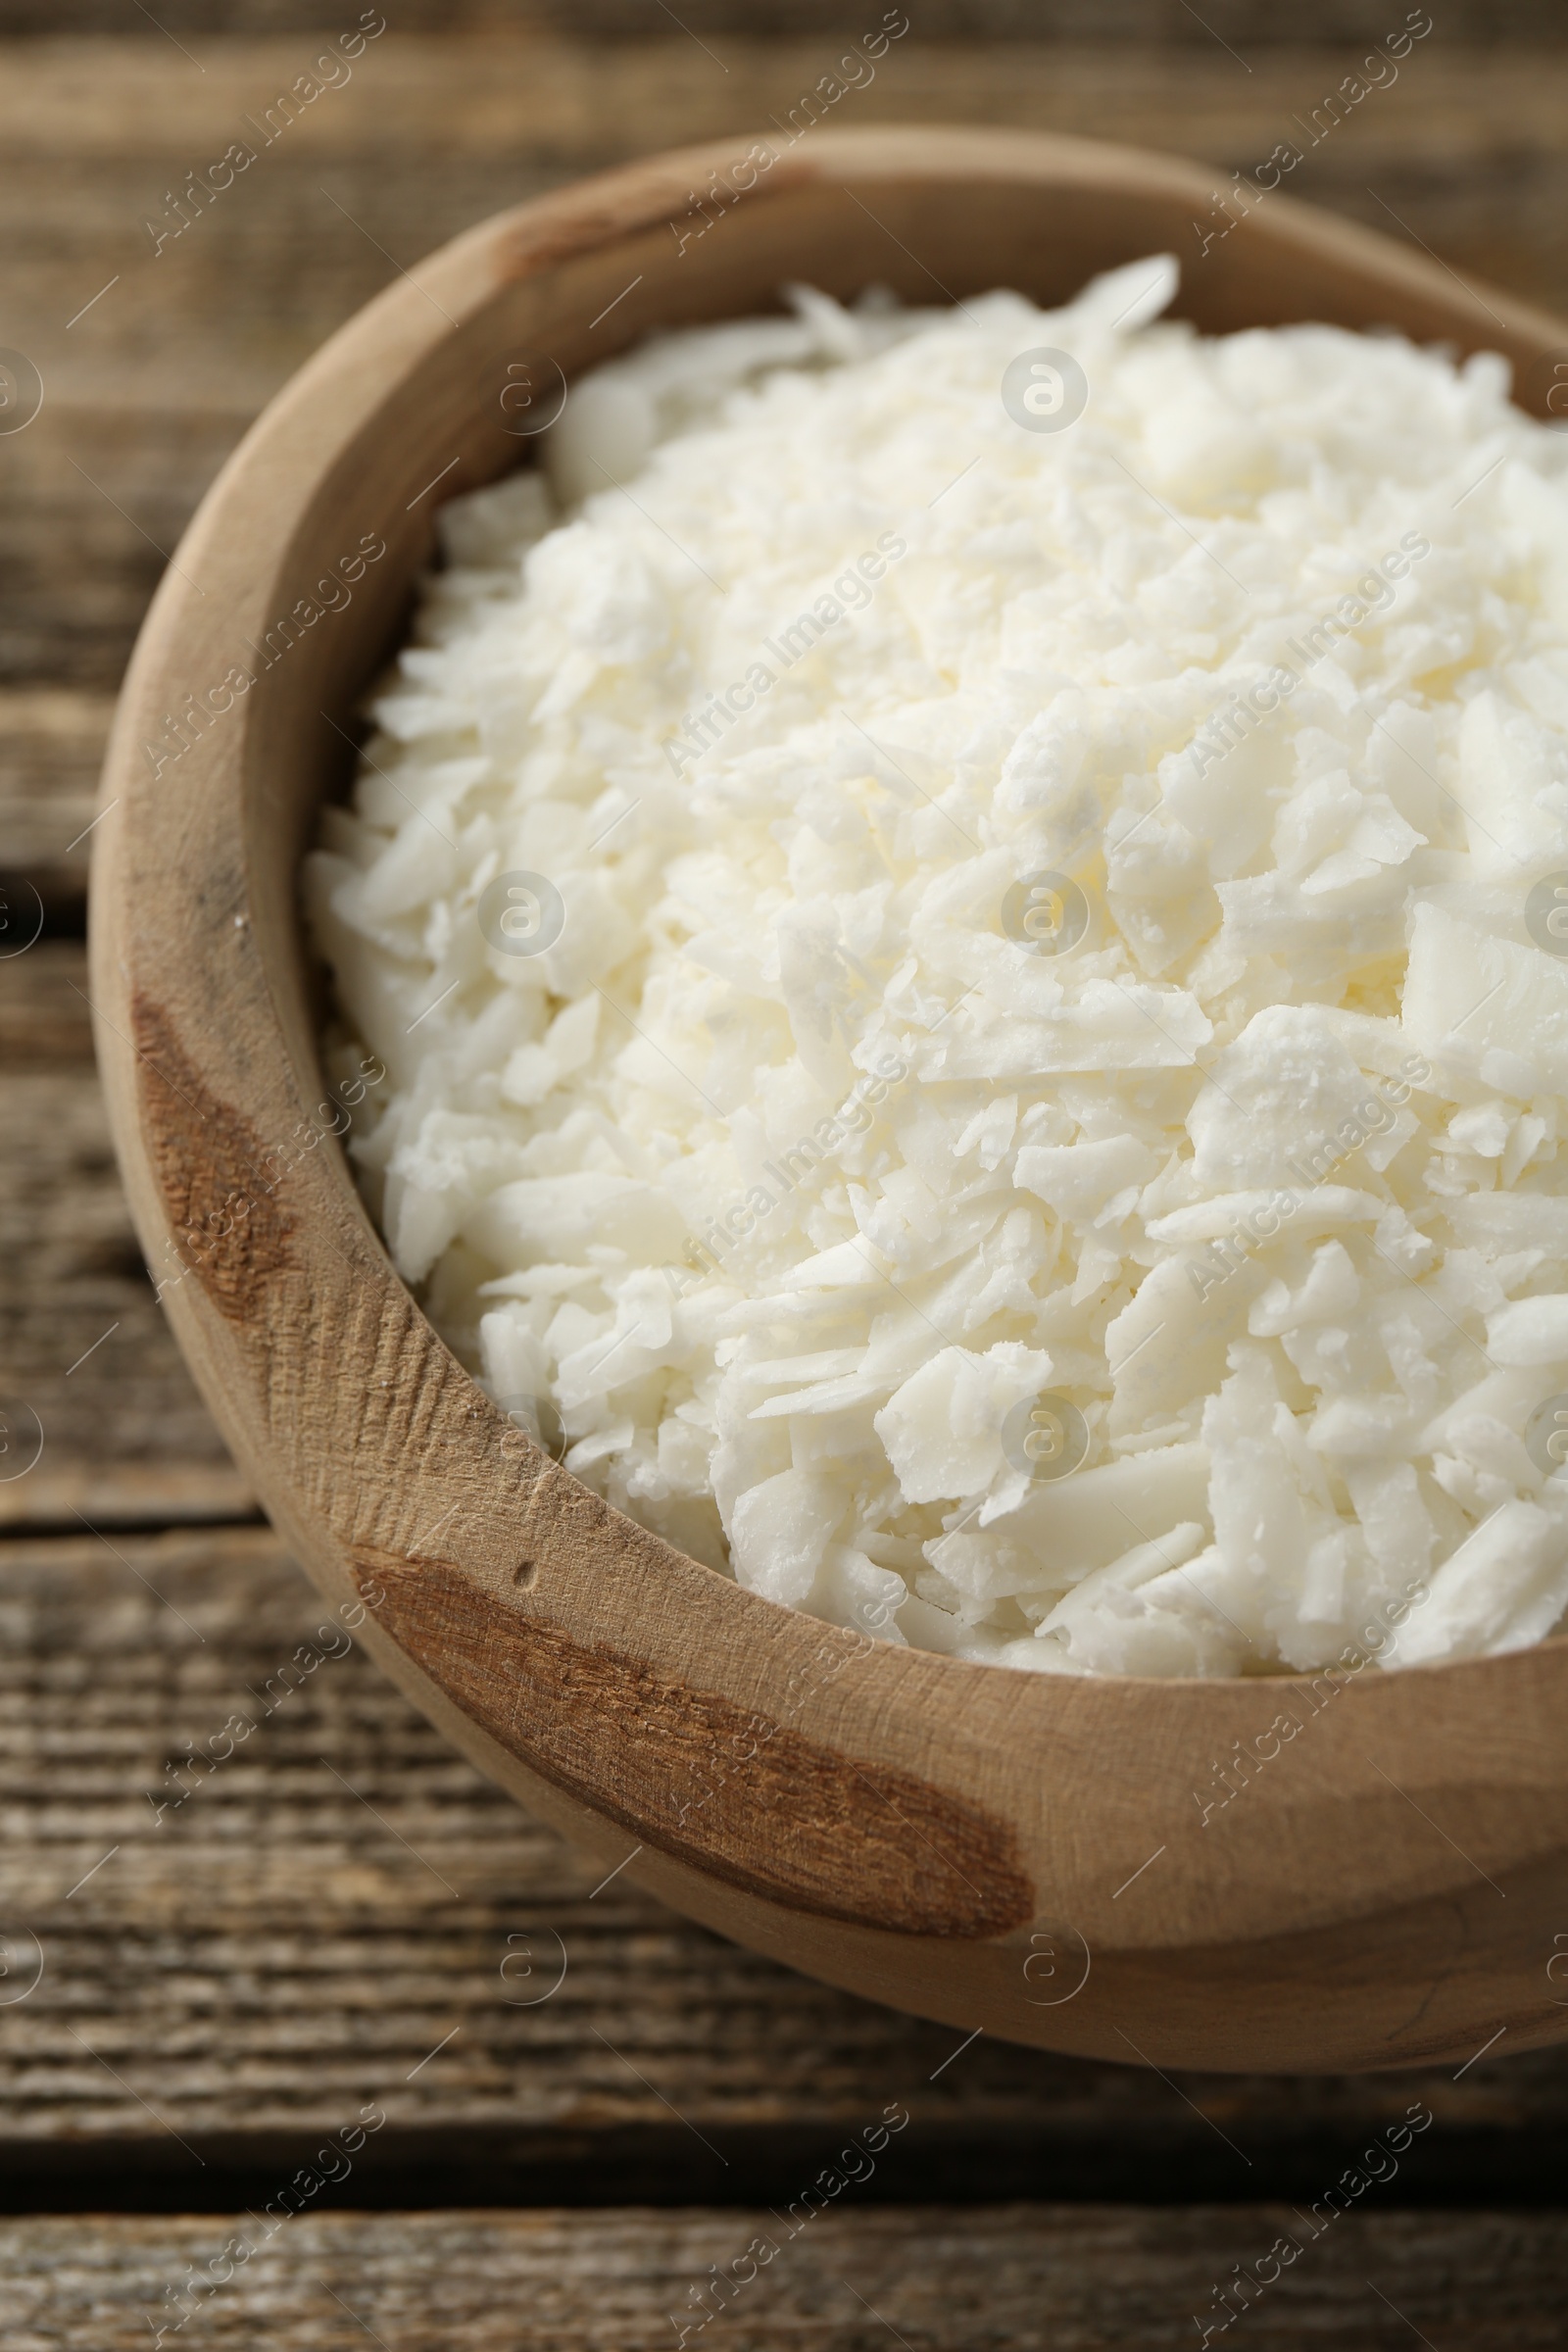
[45, 1021]
[998, 2280]
[1135, 23]
[51, 749]
[342, 1910]
[148, 390]
[83, 1344]
[489, 90]
[96, 496]
[1463, 151]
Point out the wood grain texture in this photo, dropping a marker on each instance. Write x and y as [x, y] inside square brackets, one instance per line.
[225, 1219]
[336, 1899]
[46, 1019]
[1130, 23]
[564, 1698]
[82, 1342]
[51, 749]
[97, 491]
[1011, 2280]
[150, 390]
[540, 95]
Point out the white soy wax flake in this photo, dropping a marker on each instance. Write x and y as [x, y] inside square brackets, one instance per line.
[967, 915]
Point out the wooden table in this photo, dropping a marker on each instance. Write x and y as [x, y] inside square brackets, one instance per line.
[585, 2102]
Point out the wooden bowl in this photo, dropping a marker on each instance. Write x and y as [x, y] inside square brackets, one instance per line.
[1002, 1850]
